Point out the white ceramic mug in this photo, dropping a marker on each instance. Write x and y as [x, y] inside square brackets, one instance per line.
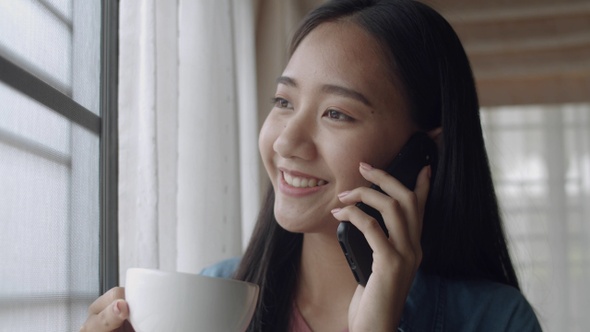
[174, 301]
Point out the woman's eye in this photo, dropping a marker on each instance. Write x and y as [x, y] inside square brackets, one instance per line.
[338, 116]
[281, 103]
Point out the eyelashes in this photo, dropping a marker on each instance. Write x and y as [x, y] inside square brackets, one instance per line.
[332, 114]
[281, 103]
[337, 115]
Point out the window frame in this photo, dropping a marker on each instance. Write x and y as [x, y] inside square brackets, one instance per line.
[109, 145]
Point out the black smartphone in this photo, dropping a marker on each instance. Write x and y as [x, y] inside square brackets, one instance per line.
[419, 151]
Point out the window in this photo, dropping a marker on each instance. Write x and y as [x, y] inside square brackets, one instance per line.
[57, 160]
[540, 158]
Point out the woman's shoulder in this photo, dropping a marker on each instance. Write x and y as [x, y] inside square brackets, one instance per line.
[481, 305]
[467, 305]
[223, 269]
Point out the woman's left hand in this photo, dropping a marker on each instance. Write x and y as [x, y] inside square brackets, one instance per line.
[379, 305]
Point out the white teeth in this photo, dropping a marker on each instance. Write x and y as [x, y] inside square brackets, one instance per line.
[303, 183]
[299, 182]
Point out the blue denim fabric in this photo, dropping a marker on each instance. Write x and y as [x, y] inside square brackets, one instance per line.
[439, 304]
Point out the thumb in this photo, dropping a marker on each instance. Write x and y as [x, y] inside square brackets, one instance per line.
[121, 309]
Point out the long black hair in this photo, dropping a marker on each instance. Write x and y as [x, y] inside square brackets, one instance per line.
[462, 235]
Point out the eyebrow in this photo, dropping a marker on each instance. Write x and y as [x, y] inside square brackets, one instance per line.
[331, 89]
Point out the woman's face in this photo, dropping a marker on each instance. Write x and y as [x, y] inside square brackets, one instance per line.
[335, 106]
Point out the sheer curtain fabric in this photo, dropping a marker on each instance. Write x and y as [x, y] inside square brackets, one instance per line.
[189, 177]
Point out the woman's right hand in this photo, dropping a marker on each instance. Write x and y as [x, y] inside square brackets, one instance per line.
[108, 313]
[379, 305]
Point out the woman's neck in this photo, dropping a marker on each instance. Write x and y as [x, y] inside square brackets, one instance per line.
[325, 285]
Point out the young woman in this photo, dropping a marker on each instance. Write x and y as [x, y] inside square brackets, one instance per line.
[363, 76]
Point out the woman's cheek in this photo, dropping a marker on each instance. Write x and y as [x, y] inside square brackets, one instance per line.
[266, 138]
[270, 131]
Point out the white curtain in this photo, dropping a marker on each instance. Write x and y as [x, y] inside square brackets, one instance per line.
[189, 183]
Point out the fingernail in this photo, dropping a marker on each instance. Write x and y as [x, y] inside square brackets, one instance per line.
[336, 210]
[343, 194]
[366, 166]
[116, 308]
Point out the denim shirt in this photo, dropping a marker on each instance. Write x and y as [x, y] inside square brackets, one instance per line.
[439, 304]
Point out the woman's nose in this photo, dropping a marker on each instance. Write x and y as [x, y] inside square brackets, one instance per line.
[295, 139]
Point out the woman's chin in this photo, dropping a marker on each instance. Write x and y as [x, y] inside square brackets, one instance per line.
[305, 225]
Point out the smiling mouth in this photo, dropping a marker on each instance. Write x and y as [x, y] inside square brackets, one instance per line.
[302, 182]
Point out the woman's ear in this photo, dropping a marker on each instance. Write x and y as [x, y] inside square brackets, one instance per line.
[436, 135]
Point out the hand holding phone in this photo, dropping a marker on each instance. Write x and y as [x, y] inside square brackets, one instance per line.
[418, 152]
